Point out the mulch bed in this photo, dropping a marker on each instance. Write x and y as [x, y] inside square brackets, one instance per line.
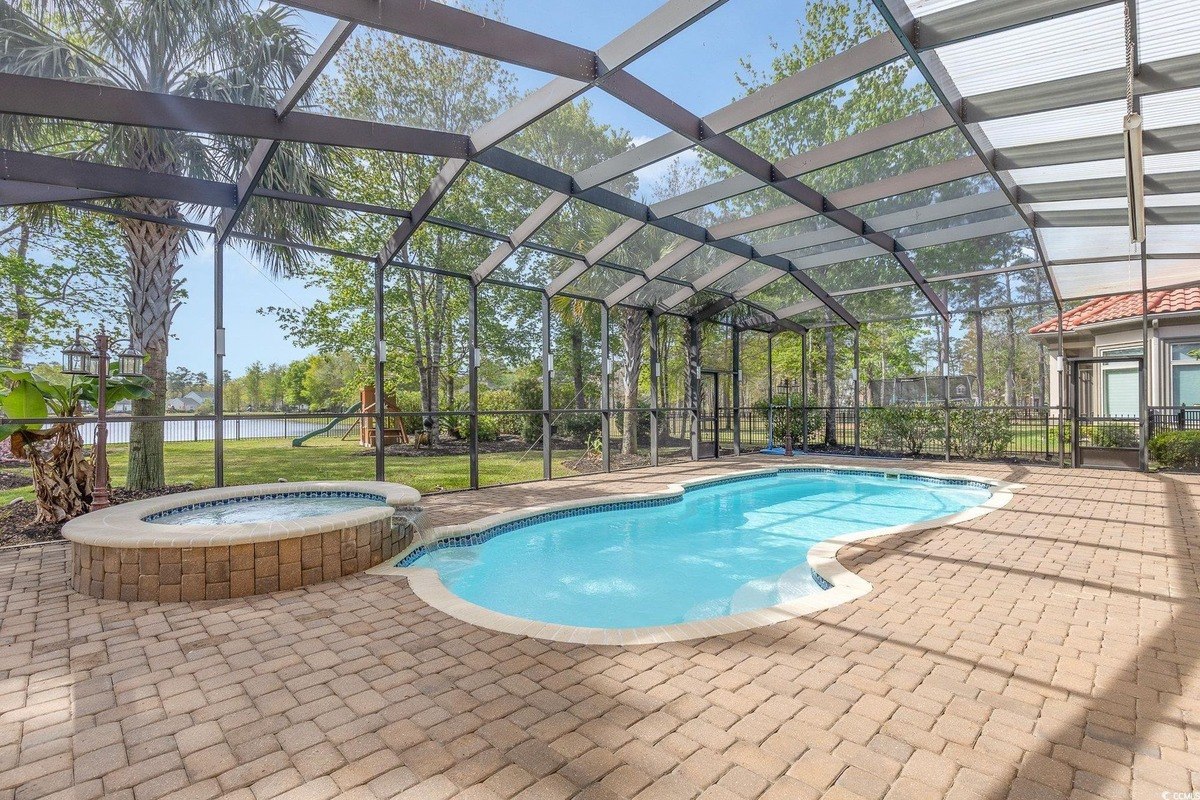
[17, 525]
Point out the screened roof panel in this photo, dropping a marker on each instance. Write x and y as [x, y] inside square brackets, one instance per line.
[644, 249]
[599, 281]
[788, 230]
[892, 92]
[1168, 239]
[1065, 244]
[1078, 281]
[590, 129]
[662, 179]
[921, 198]
[745, 274]
[1026, 287]
[529, 267]
[1098, 119]
[348, 231]
[756, 201]
[589, 25]
[1062, 47]
[698, 301]
[255, 38]
[859, 274]
[1004, 213]
[652, 294]
[484, 198]
[782, 293]
[712, 51]
[446, 249]
[362, 83]
[886, 304]
[927, 151]
[1166, 29]
[409, 174]
[697, 265]
[989, 252]
[578, 226]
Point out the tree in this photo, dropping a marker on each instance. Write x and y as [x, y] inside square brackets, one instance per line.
[56, 266]
[225, 50]
[62, 473]
[253, 381]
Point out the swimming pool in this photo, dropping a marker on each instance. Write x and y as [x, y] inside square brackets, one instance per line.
[711, 552]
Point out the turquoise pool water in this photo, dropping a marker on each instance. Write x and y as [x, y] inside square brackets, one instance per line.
[265, 509]
[720, 550]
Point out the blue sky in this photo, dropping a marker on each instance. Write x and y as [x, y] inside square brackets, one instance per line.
[697, 69]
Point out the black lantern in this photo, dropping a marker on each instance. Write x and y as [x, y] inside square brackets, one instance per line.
[130, 362]
[77, 359]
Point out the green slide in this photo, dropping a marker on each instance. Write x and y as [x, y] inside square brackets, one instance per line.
[299, 440]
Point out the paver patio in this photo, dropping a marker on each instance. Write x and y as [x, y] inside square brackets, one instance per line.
[1048, 649]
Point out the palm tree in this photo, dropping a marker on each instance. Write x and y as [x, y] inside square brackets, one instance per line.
[226, 50]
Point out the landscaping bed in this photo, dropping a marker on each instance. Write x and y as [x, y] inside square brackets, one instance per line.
[16, 518]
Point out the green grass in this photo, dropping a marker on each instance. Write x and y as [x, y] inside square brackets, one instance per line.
[268, 460]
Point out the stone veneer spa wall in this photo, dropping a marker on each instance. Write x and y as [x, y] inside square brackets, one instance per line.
[119, 555]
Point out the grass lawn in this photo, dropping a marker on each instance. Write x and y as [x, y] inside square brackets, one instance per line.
[268, 460]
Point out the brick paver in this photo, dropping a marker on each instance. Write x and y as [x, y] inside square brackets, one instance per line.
[1046, 650]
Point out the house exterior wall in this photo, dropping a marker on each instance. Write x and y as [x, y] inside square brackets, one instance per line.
[1115, 336]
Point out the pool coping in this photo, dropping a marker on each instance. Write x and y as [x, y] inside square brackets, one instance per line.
[844, 585]
[125, 526]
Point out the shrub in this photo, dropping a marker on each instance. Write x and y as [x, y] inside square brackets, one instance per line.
[904, 429]
[979, 432]
[577, 427]
[1176, 449]
[1117, 435]
[489, 428]
[780, 420]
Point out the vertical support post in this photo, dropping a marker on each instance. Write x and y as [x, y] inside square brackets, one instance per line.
[1062, 389]
[857, 401]
[380, 358]
[605, 393]
[218, 363]
[946, 379]
[694, 380]
[770, 391]
[654, 370]
[979, 351]
[473, 379]
[803, 394]
[100, 475]
[737, 392]
[1144, 372]
[547, 374]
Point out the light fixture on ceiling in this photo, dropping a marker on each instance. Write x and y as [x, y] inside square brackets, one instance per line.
[1135, 179]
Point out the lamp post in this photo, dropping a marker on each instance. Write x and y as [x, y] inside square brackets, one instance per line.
[90, 356]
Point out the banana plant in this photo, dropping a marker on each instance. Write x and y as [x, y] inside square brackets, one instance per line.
[37, 412]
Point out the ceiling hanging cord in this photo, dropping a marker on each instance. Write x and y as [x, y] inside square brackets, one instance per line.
[1132, 130]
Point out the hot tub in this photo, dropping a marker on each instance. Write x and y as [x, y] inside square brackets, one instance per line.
[236, 541]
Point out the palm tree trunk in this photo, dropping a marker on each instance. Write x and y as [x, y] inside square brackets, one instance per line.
[62, 475]
[153, 266]
[16, 350]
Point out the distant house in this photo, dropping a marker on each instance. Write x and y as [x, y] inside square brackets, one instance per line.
[1112, 327]
[189, 403]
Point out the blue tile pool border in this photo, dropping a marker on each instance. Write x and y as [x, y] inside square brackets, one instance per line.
[250, 498]
[479, 537]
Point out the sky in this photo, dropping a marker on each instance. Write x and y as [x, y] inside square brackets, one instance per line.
[696, 68]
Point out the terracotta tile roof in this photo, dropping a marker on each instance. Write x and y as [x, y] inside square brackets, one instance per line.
[1123, 306]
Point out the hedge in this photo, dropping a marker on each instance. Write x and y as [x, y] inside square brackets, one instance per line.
[1176, 449]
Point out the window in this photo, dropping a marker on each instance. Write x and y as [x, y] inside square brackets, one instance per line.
[1120, 383]
[1185, 373]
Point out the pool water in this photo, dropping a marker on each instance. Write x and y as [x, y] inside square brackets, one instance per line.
[721, 550]
[265, 509]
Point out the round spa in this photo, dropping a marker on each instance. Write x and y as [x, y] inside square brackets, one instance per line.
[236, 541]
